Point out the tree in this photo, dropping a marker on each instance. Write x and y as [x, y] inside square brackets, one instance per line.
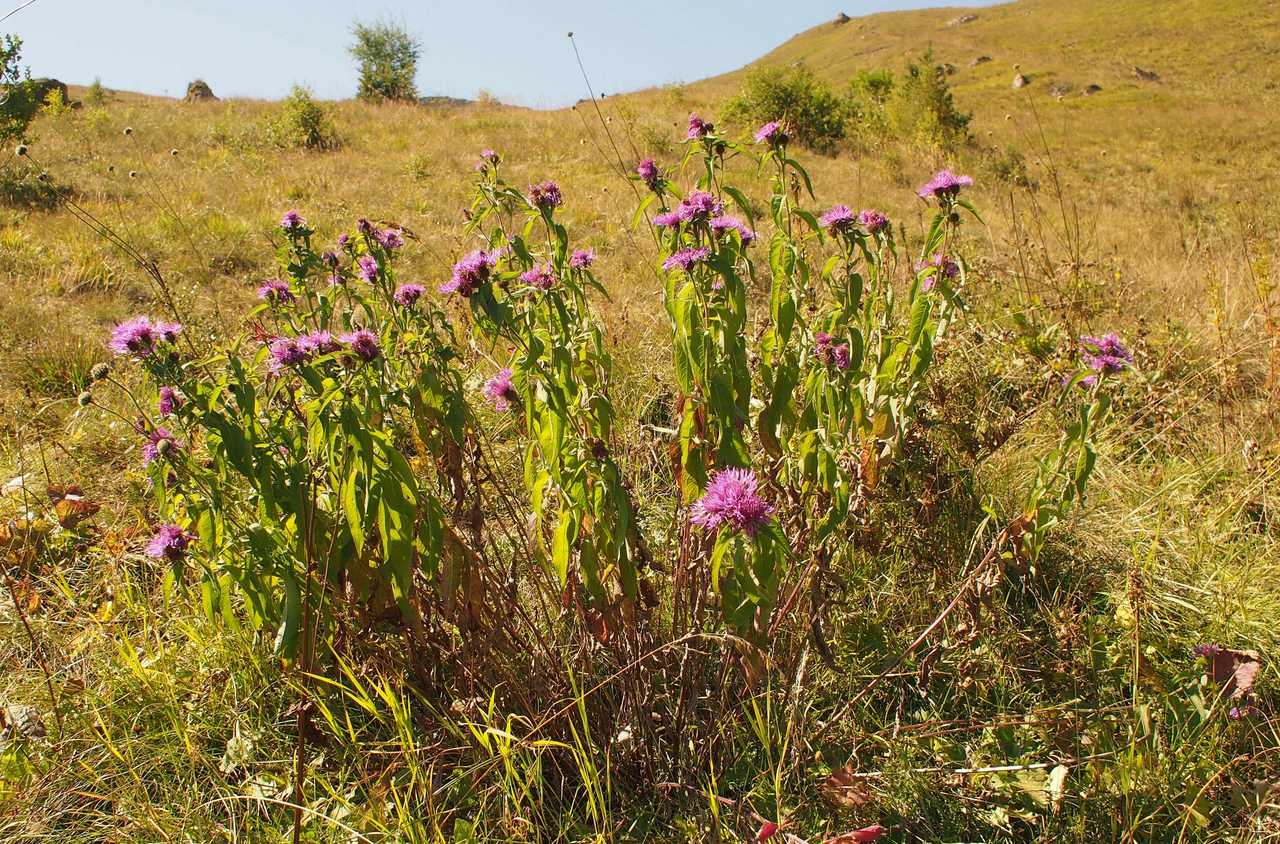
[388, 57]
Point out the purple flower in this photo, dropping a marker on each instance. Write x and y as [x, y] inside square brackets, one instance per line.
[169, 401]
[500, 391]
[292, 221]
[276, 291]
[490, 156]
[329, 258]
[159, 443]
[1105, 354]
[545, 195]
[169, 543]
[731, 499]
[539, 277]
[723, 224]
[140, 336]
[582, 258]
[837, 220]
[343, 240]
[409, 294]
[648, 172]
[698, 128]
[364, 227]
[1207, 650]
[944, 184]
[470, 273]
[317, 343]
[829, 352]
[363, 342]
[771, 133]
[667, 219]
[284, 352]
[698, 207]
[686, 258]
[367, 268]
[873, 221]
[390, 239]
[937, 266]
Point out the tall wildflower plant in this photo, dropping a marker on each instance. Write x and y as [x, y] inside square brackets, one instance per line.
[527, 291]
[309, 465]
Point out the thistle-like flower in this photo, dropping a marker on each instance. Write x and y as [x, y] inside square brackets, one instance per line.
[732, 500]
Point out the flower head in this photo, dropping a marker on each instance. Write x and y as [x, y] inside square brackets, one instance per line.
[830, 352]
[771, 133]
[276, 291]
[1105, 354]
[367, 268]
[329, 258]
[344, 240]
[937, 266]
[364, 227]
[648, 172]
[140, 336]
[292, 221]
[872, 221]
[363, 342]
[470, 273]
[699, 206]
[409, 294]
[837, 220]
[284, 352]
[686, 258]
[732, 499]
[582, 258]
[698, 128]
[169, 401]
[160, 443]
[490, 156]
[317, 343]
[724, 224]
[389, 239]
[667, 219]
[500, 390]
[169, 543]
[545, 195]
[539, 277]
[944, 184]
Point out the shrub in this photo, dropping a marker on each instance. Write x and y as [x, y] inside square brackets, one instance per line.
[303, 122]
[814, 115]
[19, 103]
[388, 56]
[95, 96]
[921, 108]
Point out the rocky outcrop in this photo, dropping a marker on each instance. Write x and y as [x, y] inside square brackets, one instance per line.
[841, 18]
[199, 92]
[1145, 75]
[977, 60]
[1090, 90]
[962, 20]
[42, 88]
[1021, 80]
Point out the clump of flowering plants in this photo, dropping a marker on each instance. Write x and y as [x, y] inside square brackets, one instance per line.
[318, 459]
[531, 308]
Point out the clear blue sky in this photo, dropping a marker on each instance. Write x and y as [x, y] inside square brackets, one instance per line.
[514, 49]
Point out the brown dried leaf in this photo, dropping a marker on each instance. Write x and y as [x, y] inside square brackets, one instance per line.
[845, 790]
[1236, 671]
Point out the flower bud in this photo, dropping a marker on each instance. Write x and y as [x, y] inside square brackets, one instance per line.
[173, 151]
[85, 399]
[99, 371]
[163, 446]
[21, 150]
[128, 130]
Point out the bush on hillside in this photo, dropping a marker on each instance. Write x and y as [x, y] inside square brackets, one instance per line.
[303, 123]
[19, 100]
[922, 110]
[813, 113]
[388, 56]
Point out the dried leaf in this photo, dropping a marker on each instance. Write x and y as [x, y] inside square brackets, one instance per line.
[72, 509]
[19, 721]
[1236, 671]
[845, 790]
[1056, 786]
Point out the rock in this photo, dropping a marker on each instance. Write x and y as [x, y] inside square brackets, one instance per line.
[42, 88]
[437, 100]
[841, 18]
[1021, 81]
[962, 20]
[199, 92]
[1058, 90]
[949, 69]
[1145, 75]
[1090, 90]
[977, 60]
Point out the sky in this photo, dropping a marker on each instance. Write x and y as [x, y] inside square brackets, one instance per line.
[515, 50]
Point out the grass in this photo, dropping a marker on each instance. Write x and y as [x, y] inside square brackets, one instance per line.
[1154, 212]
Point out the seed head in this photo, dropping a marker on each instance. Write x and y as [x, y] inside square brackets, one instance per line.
[85, 399]
[21, 150]
[173, 151]
[164, 445]
[99, 371]
[133, 174]
[128, 130]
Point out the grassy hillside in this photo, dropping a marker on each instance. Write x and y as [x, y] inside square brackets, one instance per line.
[1065, 705]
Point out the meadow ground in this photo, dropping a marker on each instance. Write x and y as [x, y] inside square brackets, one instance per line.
[1069, 706]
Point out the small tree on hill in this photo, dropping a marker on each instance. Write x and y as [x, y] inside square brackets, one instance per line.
[18, 102]
[388, 56]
